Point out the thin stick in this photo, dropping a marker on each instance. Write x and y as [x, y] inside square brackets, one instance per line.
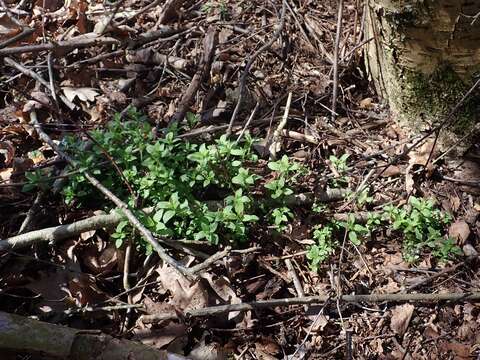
[12, 63]
[247, 124]
[250, 62]
[75, 43]
[335, 58]
[276, 144]
[264, 304]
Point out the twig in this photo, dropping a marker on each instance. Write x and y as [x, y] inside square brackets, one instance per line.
[429, 279]
[250, 62]
[296, 281]
[276, 144]
[335, 58]
[75, 43]
[25, 32]
[209, 45]
[263, 304]
[117, 201]
[211, 260]
[38, 78]
[247, 124]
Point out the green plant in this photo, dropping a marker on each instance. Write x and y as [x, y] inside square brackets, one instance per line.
[423, 227]
[35, 179]
[355, 231]
[340, 166]
[279, 188]
[221, 7]
[286, 174]
[281, 217]
[175, 178]
[325, 245]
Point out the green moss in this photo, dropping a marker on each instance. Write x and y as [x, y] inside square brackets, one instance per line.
[427, 99]
[409, 16]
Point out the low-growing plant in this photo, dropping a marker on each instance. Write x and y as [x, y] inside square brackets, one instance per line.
[325, 246]
[341, 167]
[423, 227]
[179, 180]
[419, 222]
[281, 187]
[195, 191]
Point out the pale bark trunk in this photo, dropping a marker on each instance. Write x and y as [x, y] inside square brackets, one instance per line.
[424, 58]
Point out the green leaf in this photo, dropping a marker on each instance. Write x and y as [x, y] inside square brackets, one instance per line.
[168, 215]
[352, 236]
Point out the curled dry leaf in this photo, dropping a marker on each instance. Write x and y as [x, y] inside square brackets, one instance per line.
[460, 231]
[186, 295]
[7, 153]
[401, 316]
[82, 93]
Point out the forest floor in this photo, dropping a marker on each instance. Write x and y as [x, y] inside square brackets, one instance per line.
[356, 206]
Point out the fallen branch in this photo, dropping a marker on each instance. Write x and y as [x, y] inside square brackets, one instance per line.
[109, 221]
[262, 304]
[209, 45]
[21, 334]
[26, 31]
[75, 43]
[250, 62]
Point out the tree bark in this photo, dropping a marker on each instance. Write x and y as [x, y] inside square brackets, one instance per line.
[19, 334]
[423, 59]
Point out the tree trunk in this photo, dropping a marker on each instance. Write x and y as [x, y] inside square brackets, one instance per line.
[424, 58]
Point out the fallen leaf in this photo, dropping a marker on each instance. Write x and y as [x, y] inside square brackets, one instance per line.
[460, 231]
[7, 153]
[83, 93]
[366, 103]
[186, 295]
[462, 351]
[401, 316]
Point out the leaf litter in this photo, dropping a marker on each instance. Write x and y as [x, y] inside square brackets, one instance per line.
[103, 59]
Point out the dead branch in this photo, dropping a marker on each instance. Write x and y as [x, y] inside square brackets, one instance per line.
[336, 58]
[75, 43]
[263, 304]
[250, 62]
[108, 221]
[21, 334]
[209, 45]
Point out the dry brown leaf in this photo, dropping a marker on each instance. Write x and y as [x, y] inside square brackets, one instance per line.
[7, 27]
[460, 231]
[7, 153]
[186, 295]
[82, 93]
[462, 351]
[401, 316]
[366, 103]
[391, 170]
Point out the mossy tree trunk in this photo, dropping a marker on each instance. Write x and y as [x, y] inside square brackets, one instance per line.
[425, 56]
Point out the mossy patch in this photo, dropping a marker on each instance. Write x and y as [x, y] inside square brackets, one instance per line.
[428, 99]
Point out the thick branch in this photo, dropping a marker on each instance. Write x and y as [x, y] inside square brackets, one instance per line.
[20, 334]
[61, 232]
